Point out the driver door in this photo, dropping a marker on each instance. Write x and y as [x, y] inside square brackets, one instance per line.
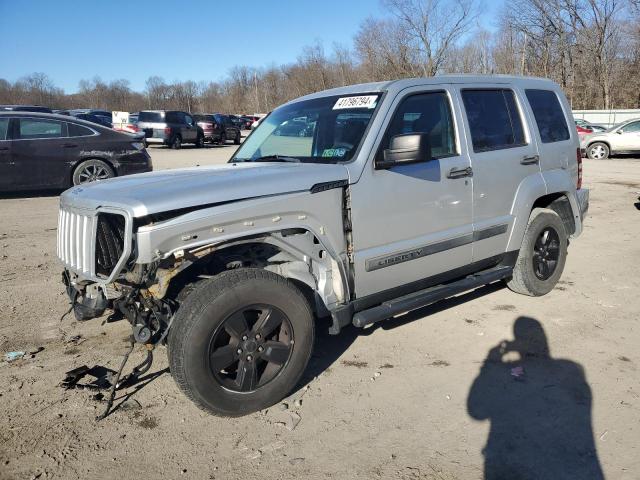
[628, 138]
[412, 222]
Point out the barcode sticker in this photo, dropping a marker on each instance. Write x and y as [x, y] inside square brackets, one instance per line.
[364, 101]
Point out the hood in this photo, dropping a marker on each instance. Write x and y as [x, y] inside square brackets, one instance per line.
[156, 192]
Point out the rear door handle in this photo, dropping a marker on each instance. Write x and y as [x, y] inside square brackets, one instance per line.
[531, 160]
[460, 173]
[69, 145]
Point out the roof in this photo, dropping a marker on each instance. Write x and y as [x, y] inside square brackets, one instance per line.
[401, 84]
[52, 116]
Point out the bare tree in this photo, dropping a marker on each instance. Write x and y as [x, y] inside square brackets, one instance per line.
[434, 27]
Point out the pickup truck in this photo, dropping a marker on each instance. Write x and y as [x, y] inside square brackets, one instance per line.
[398, 195]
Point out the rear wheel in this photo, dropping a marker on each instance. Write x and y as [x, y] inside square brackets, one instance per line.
[176, 144]
[598, 151]
[92, 171]
[240, 341]
[542, 255]
[200, 141]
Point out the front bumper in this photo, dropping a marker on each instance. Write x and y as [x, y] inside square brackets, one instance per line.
[582, 196]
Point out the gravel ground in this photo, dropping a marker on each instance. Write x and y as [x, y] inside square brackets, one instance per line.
[394, 401]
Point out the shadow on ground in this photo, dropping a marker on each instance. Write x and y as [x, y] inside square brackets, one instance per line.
[539, 408]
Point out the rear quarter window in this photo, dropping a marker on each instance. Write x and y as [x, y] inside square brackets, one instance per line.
[76, 130]
[151, 117]
[549, 116]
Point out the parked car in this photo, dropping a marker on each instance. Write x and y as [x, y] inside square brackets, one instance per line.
[24, 108]
[237, 121]
[170, 127]
[247, 121]
[218, 128]
[41, 151]
[623, 138]
[589, 126]
[99, 119]
[583, 130]
[408, 192]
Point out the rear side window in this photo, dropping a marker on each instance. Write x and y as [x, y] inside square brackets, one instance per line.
[549, 116]
[494, 119]
[4, 127]
[151, 117]
[428, 113]
[33, 128]
[76, 130]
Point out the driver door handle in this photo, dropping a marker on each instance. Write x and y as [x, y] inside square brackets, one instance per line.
[530, 160]
[460, 173]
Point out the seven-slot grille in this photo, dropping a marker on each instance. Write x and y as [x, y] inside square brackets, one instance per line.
[75, 241]
[90, 244]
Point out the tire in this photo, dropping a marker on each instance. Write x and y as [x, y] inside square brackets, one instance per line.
[598, 151]
[200, 141]
[223, 139]
[211, 323]
[176, 143]
[529, 274]
[91, 171]
[236, 140]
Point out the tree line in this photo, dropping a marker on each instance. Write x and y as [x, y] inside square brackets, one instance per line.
[590, 47]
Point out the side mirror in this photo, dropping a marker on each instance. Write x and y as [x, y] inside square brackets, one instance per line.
[405, 148]
[619, 132]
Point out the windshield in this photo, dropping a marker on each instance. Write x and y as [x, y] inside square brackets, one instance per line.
[322, 130]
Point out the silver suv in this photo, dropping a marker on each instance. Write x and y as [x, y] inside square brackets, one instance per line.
[397, 195]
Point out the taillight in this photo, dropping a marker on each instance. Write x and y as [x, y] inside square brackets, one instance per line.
[135, 128]
[167, 130]
[579, 158]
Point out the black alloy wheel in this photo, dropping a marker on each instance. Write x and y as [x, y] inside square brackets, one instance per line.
[251, 347]
[546, 252]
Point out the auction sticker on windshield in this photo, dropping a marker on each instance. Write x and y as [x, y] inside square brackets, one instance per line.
[364, 101]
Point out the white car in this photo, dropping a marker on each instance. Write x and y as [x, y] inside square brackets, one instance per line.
[619, 139]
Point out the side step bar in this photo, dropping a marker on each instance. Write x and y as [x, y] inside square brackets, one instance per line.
[429, 295]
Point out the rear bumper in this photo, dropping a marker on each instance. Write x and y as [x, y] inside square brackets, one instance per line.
[159, 140]
[136, 163]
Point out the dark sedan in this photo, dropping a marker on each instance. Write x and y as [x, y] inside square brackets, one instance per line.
[48, 151]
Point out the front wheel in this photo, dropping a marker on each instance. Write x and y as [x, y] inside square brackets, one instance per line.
[236, 140]
[241, 341]
[598, 151]
[200, 141]
[542, 254]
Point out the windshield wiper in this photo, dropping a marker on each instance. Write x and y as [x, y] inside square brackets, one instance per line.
[276, 158]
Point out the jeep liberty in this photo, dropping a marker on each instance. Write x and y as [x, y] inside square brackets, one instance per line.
[397, 195]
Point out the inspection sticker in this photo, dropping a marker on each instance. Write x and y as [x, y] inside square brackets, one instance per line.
[364, 101]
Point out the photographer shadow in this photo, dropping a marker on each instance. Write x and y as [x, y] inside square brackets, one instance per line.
[539, 408]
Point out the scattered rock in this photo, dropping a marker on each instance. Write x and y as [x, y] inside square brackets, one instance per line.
[292, 421]
[296, 461]
[284, 406]
[298, 402]
[386, 365]
[377, 374]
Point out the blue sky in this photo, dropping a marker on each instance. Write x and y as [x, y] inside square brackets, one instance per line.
[70, 40]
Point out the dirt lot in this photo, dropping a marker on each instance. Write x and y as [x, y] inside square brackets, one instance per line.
[388, 402]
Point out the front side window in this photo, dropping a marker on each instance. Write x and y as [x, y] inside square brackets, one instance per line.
[320, 130]
[494, 119]
[549, 116]
[630, 128]
[4, 128]
[427, 113]
[33, 128]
